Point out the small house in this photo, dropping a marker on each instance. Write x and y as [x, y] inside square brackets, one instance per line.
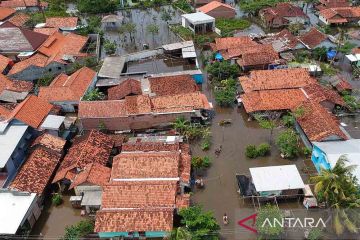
[54, 125]
[198, 22]
[315, 39]
[111, 22]
[217, 9]
[339, 15]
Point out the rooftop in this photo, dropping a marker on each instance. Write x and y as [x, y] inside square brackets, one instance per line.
[171, 85]
[112, 67]
[4, 62]
[62, 22]
[258, 55]
[14, 207]
[53, 122]
[312, 38]
[14, 85]
[68, 88]
[94, 174]
[232, 42]
[284, 10]
[22, 3]
[46, 31]
[6, 12]
[50, 142]
[281, 41]
[344, 12]
[213, 5]
[198, 18]
[19, 19]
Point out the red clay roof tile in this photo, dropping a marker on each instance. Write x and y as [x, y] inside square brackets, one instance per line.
[6, 12]
[213, 5]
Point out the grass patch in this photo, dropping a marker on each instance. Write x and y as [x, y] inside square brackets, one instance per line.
[327, 69]
[183, 5]
[183, 32]
[229, 25]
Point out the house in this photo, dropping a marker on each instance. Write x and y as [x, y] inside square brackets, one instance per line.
[326, 154]
[66, 91]
[316, 39]
[54, 125]
[13, 91]
[231, 47]
[62, 23]
[282, 15]
[282, 41]
[88, 184]
[203, 2]
[36, 173]
[6, 13]
[339, 15]
[141, 112]
[14, 140]
[5, 64]
[29, 5]
[257, 57]
[19, 19]
[141, 198]
[324, 4]
[52, 57]
[46, 31]
[15, 40]
[153, 86]
[198, 22]
[217, 9]
[111, 22]
[92, 147]
[19, 210]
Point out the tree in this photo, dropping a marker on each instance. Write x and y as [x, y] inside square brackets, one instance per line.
[180, 233]
[265, 214]
[181, 124]
[320, 53]
[294, 28]
[288, 143]
[199, 163]
[110, 47]
[96, 6]
[200, 224]
[225, 96]
[166, 16]
[223, 70]
[56, 199]
[129, 28]
[94, 95]
[93, 26]
[346, 48]
[79, 230]
[267, 123]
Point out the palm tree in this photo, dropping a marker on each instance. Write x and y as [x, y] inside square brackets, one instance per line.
[181, 124]
[180, 233]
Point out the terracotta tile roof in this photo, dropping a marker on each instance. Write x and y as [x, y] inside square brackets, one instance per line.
[32, 111]
[4, 113]
[323, 4]
[276, 79]
[213, 5]
[283, 10]
[137, 104]
[36, 172]
[170, 85]
[95, 109]
[19, 19]
[6, 12]
[182, 201]
[281, 41]
[272, 100]
[93, 147]
[341, 13]
[134, 220]
[22, 3]
[46, 31]
[14, 85]
[318, 124]
[258, 55]
[185, 162]
[143, 194]
[313, 38]
[342, 85]
[4, 62]
[232, 42]
[318, 93]
[61, 22]
[149, 147]
[68, 88]
[37, 60]
[51, 142]
[146, 165]
[58, 46]
[93, 173]
[126, 88]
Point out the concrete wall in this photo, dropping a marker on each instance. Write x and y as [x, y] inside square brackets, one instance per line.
[143, 54]
[33, 73]
[83, 188]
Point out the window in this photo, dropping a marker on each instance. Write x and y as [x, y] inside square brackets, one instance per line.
[49, 70]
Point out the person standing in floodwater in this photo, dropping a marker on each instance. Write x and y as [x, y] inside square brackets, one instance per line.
[225, 219]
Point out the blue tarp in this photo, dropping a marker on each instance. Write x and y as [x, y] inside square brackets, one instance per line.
[331, 54]
[218, 56]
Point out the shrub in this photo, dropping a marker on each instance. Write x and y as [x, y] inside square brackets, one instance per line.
[351, 102]
[110, 47]
[94, 95]
[306, 151]
[200, 162]
[251, 151]
[288, 120]
[287, 142]
[228, 25]
[96, 6]
[79, 230]
[56, 199]
[183, 5]
[263, 149]
[205, 145]
[267, 231]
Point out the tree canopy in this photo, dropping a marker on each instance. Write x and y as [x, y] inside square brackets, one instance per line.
[96, 6]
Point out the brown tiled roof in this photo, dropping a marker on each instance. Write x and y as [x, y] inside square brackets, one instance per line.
[182, 201]
[134, 220]
[46, 30]
[288, 40]
[126, 88]
[232, 42]
[137, 104]
[4, 112]
[342, 12]
[14, 85]
[37, 60]
[93, 173]
[317, 123]
[170, 85]
[284, 10]
[22, 3]
[318, 93]
[68, 88]
[332, 4]
[258, 55]
[61, 22]
[276, 79]
[93, 147]
[32, 111]
[146, 165]
[343, 85]
[36, 172]
[313, 38]
[213, 5]
[272, 100]
[4, 62]
[149, 147]
[140, 194]
[6, 12]
[19, 19]
[185, 162]
[51, 142]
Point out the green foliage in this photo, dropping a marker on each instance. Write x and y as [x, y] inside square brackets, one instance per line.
[183, 5]
[302, 56]
[328, 69]
[90, 62]
[166, 16]
[152, 28]
[252, 151]
[351, 102]
[225, 96]
[200, 162]
[320, 53]
[206, 144]
[267, 231]
[94, 95]
[202, 225]
[223, 70]
[79, 230]
[229, 25]
[57, 8]
[201, 39]
[180, 233]
[45, 80]
[146, 4]
[183, 32]
[288, 143]
[266, 123]
[346, 48]
[294, 28]
[315, 234]
[306, 151]
[110, 47]
[288, 120]
[190, 130]
[96, 6]
[56, 199]
[93, 26]
[252, 7]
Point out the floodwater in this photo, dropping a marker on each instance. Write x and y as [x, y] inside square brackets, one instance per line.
[53, 220]
[160, 65]
[142, 19]
[220, 192]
